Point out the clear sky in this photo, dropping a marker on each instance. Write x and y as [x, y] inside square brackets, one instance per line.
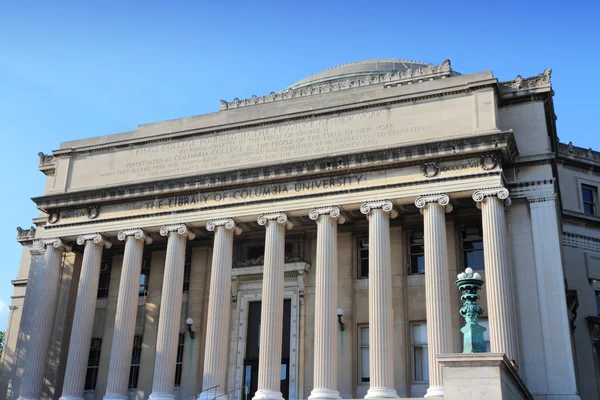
[72, 69]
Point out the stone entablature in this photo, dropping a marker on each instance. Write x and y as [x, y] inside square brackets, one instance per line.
[578, 154]
[521, 86]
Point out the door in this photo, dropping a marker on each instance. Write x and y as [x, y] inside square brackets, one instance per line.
[253, 348]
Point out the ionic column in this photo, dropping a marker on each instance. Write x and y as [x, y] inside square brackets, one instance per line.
[219, 306]
[44, 309]
[127, 305]
[381, 313]
[326, 326]
[498, 272]
[170, 312]
[437, 289]
[83, 319]
[271, 324]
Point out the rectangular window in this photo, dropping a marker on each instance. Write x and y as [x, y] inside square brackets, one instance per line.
[486, 335]
[104, 280]
[598, 302]
[416, 253]
[179, 363]
[588, 194]
[187, 269]
[145, 276]
[419, 353]
[363, 349]
[472, 247]
[363, 257]
[93, 361]
[134, 370]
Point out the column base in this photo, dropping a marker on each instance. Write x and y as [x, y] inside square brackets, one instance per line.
[381, 393]
[267, 395]
[115, 397]
[435, 391]
[162, 396]
[28, 398]
[70, 397]
[317, 394]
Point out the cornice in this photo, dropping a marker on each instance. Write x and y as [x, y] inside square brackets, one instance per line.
[578, 155]
[525, 86]
[409, 76]
[498, 142]
[47, 163]
[25, 236]
[581, 241]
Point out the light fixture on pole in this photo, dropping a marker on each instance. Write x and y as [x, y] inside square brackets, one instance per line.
[340, 312]
[189, 321]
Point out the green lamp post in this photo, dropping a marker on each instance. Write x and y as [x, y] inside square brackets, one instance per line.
[469, 284]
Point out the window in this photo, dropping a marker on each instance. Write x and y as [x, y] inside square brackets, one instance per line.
[419, 352]
[93, 361]
[363, 348]
[588, 194]
[255, 252]
[363, 257]
[179, 363]
[416, 252]
[187, 268]
[104, 281]
[472, 247]
[134, 370]
[486, 335]
[145, 276]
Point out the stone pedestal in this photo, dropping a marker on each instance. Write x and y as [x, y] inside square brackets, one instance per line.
[271, 324]
[437, 281]
[47, 282]
[127, 305]
[169, 323]
[219, 306]
[381, 314]
[83, 319]
[326, 326]
[498, 272]
[486, 376]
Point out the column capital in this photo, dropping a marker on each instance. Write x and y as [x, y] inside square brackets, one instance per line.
[57, 243]
[500, 192]
[331, 211]
[280, 218]
[440, 198]
[97, 238]
[384, 205]
[137, 233]
[227, 223]
[181, 229]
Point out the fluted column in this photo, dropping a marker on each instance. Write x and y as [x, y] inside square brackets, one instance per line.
[271, 324]
[498, 272]
[127, 305]
[381, 313]
[437, 285]
[83, 319]
[219, 306]
[163, 382]
[326, 326]
[44, 309]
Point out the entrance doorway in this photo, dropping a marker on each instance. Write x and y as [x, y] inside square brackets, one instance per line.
[253, 347]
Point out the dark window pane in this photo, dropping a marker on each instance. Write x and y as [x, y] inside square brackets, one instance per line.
[133, 376]
[473, 245]
[598, 302]
[588, 208]
[364, 268]
[474, 259]
[90, 379]
[588, 195]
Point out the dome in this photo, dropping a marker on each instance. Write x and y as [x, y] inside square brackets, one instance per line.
[359, 68]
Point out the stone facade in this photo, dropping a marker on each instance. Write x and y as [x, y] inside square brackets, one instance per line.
[428, 170]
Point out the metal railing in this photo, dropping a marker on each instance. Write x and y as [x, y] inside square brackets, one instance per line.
[231, 395]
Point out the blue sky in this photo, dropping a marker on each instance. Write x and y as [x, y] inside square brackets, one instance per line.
[71, 70]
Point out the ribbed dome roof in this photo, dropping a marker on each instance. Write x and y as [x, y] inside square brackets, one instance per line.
[359, 68]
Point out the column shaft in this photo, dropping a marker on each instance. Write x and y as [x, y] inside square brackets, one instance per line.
[169, 322]
[271, 327]
[47, 280]
[83, 319]
[498, 275]
[437, 290]
[381, 313]
[127, 305]
[326, 297]
[219, 308]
